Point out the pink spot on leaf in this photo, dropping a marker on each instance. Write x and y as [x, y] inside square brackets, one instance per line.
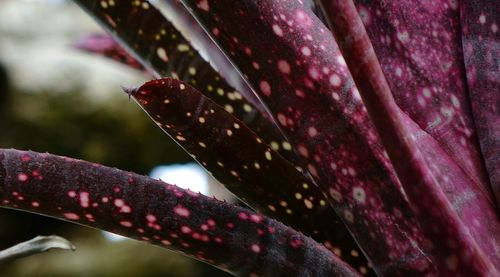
[182, 211]
[203, 4]
[71, 216]
[255, 248]
[265, 88]
[185, 229]
[84, 199]
[22, 177]
[127, 224]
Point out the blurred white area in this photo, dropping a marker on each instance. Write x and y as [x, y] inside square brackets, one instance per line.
[113, 237]
[187, 176]
[35, 45]
[193, 177]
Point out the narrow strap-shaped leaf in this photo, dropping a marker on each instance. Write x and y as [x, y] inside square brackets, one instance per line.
[245, 164]
[303, 79]
[35, 246]
[184, 22]
[317, 8]
[155, 41]
[105, 45]
[480, 40]
[232, 238]
[419, 48]
[417, 177]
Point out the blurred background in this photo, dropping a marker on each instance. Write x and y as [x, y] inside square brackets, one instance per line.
[57, 99]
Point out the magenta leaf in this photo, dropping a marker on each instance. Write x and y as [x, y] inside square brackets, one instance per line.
[229, 237]
[106, 46]
[156, 42]
[245, 164]
[480, 42]
[301, 76]
[419, 47]
[417, 177]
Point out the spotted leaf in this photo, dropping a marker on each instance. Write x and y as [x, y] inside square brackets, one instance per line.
[150, 37]
[422, 176]
[480, 42]
[232, 238]
[245, 164]
[302, 77]
[419, 47]
[183, 21]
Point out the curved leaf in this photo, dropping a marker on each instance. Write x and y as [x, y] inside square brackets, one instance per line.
[419, 48]
[417, 177]
[230, 237]
[34, 246]
[302, 77]
[245, 164]
[481, 46]
[156, 42]
[106, 46]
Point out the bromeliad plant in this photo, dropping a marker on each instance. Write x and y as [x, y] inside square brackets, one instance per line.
[375, 148]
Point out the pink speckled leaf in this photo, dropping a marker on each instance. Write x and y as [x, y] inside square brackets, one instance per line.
[154, 40]
[245, 164]
[481, 44]
[106, 46]
[424, 176]
[301, 76]
[229, 237]
[419, 47]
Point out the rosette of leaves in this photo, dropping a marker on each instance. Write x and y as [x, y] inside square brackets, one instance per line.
[366, 147]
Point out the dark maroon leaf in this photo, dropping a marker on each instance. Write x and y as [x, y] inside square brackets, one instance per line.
[245, 164]
[232, 238]
[301, 76]
[184, 22]
[419, 48]
[480, 42]
[105, 45]
[417, 177]
[152, 38]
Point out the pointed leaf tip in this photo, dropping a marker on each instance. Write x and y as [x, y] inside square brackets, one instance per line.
[34, 246]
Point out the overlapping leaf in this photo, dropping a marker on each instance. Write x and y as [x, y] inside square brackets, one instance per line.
[184, 22]
[419, 180]
[232, 238]
[480, 43]
[105, 45]
[302, 77]
[154, 40]
[419, 47]
[245, 164]
[287, 204]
